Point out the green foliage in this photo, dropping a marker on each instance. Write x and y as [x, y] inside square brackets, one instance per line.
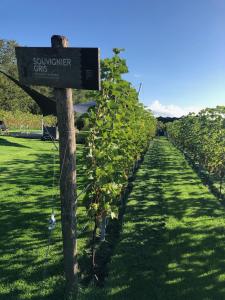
[11, 96]
[7, 55]
[120, 130]
[81, 96]
[161, 128]
[14, 98]
[17, 120]
[202, 137]
[172, 243]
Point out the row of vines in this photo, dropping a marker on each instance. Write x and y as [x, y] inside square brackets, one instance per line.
[24, 120]
[120, 131]
[202, 138]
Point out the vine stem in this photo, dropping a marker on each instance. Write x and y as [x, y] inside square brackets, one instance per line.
[93, 242]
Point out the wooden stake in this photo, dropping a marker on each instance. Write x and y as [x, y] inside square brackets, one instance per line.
[67, 152]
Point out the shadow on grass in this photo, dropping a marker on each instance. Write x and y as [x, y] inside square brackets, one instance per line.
[27, 198]
[26, 202]
[172, 245]
[5, 142]
[210, 180]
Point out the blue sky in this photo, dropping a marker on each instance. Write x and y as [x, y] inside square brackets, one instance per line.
[176, 48]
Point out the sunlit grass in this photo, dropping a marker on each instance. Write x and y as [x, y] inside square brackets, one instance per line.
[171, 247]
[172, 244]
[27, 197]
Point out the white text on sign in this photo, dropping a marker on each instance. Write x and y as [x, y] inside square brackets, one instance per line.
[41, 64]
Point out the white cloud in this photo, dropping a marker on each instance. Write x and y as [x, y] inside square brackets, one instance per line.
[171, 110]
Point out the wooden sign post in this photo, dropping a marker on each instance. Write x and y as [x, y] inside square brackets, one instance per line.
[67, 152]
[63, 68]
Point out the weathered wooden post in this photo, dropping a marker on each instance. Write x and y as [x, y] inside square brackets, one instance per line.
[62, 68]
[67, 150]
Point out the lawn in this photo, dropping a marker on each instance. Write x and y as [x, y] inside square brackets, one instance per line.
[27, 197]
[172, 244]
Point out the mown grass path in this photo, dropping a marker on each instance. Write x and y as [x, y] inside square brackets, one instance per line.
[173, 240]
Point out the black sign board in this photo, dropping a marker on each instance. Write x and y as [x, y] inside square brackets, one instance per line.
[77, 68]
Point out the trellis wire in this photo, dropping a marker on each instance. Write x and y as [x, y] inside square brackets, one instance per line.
[51, 228]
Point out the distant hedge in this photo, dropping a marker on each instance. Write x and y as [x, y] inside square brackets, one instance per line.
[18, 120]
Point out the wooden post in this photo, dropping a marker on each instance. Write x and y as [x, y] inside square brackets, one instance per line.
[67, 152]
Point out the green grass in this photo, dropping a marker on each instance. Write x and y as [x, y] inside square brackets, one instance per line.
[172, 244]
[27, 197]
[171, 247]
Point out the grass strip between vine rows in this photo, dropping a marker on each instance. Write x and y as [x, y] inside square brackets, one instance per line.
[172, 244]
